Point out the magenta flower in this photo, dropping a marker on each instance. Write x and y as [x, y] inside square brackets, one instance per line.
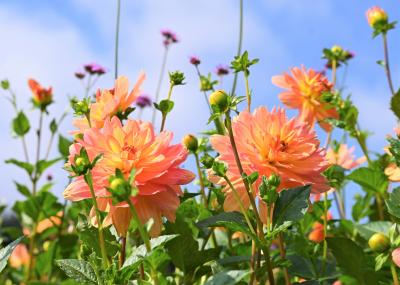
[80, 74]
[169, 37]
[94, 68]
[143, 101]
[222, 70]
[194, 60]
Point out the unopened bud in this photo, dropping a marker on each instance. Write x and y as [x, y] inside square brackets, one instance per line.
[190, 142]
[376, 15]
[379, 242]
[337, 49]
[220, 99]
[274, 180]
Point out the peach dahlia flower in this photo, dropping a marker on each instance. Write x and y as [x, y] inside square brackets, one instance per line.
[126, 147]
[304, 89]
[110, 102]
[270, 143]
[344, 157]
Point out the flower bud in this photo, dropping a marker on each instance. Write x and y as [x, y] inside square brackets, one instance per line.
[376, 15]
[336, 49]
[190, 142]
[379, 242]
[396, 256]
[41, 97]
[119, 189]
[220, 99]
[207, 161]
[274, 180]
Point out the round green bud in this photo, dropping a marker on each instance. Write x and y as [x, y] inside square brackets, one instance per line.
[81, 161]
[190, 142]
[274, 180]
[220, 99]
[379, 242]
[116, 183]
[337, 49]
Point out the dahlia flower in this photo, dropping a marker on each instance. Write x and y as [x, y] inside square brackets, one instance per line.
[344, 157]
[270, 143]
[304, 90]
[396, 256]
[40, 96]
[127, 147]
[111, 102]
[19, 256]
[46, 223]
[317, 233]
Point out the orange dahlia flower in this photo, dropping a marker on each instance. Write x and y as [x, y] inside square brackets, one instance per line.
[19, 256]
[270, 143]
[110, 102]
[344, 157]
[304, 89]
[317, 233]
[46, 223]
[41, 96]
[127, 147]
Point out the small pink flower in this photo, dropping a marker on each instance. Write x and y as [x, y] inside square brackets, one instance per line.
[222, 70]
[94, 68]
[344, 157]
[396, 256]
[169, 37]
[194, 60]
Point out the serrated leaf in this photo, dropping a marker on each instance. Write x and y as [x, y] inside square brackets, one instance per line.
[234, 221]
[291, 205]
[79, 270]
[395, 104]
[63, 145]
[42, 165]
[370, 179]
[23, 189]
[393, 203]
[25, 165]
[367, 230]
[21, 125]
[230, 277]
[6, 252]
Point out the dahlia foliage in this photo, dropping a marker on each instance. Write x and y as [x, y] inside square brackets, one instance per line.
[287, 194]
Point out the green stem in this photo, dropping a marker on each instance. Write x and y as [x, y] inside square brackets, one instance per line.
[144, 236]
[283, 256]
[117, 38]
[89, 181]
[325, 248]
[39, 136]
[387, 66]
[334, 67]
[394, 274]
[164, 115]
[52, 136]
[160, 79]
[248, 95]
[217, 122]
[239, 47]
[200, 173]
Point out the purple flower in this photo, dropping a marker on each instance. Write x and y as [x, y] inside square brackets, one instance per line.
[143, 101]
[194, 60]
[80, 74]
[169, 37]
[222, 70]
[94, 68]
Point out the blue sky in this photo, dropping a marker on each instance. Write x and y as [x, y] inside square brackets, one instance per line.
[49, 40]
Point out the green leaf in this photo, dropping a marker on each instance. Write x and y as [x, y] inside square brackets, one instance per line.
[42, 165]
[367, 230]
[53, 126]
[393, 203]
[6, 252]
[25, 165]
[230, 277]
[370, 179]
[140, 252]
[23, 189]
[63, 145]
[79, 270]
[291, 205]
[395, 104]
[165, 106]
[352, 260]
[20, 125]
[234, 221]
